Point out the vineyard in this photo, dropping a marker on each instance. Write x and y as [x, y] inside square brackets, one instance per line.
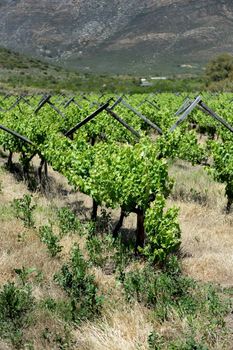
[100, 179]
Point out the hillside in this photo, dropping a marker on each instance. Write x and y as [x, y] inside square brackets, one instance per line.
[157, 37]
[22, 73]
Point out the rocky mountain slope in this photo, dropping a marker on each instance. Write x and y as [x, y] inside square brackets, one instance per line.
[151, 36]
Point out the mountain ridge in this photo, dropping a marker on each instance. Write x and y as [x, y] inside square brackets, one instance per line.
[155, 37]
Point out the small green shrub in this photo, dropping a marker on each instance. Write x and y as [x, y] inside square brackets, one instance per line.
[50, 239]
[122, 257]
[23, 208]
[80, 286]
[68, 222]
[16, 305]
[100, 249]
[62, 341]
[159, 289]
[24, 272]
[107, 253]
[62, 308]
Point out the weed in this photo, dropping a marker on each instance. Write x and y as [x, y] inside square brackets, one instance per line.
[107, 253]
[50, 239]
[99, 249]
[80, 286]
[62, 308]
[21, 237]
[68, 222]
[169, 293]
[121, 258]
[15, 307]
[23, 273]
[62, 341]
[23, 208]
[158, 342]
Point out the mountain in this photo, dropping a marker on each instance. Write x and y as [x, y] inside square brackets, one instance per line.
[154, 37]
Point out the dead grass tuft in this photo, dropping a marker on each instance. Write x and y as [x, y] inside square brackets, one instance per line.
[125, 327]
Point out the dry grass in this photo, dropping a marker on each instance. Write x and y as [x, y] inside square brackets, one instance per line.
[207, 244]
[207, 233]
[195, 185]
[121, 328]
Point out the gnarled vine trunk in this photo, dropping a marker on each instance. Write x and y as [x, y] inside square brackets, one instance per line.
[9, 163]
[140, 233]
[119, 224]
[94, 211]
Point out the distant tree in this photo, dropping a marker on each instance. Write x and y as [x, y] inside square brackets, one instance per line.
[220, 68]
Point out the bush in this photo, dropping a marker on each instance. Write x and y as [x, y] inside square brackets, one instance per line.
[15, 307]
[220, 68]
[50, 239]
[100, 249]
[80, 286]
[161, 290]
[68, 221]
[24, 208]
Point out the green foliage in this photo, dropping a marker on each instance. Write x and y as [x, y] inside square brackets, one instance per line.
[64, 309]
[23, 208]
[24, 272]
[158, 342]
[122, 257]
[16, 305]
[127, 176]
[50, 239]
[170, 290]
[161, 290]
[80, 286]
[68, 222]
[163, 231]
[222, 167]
[220, 68]
[169, 294]
[103, 223]
[180, 145]
[62, 341]
[99, 249]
